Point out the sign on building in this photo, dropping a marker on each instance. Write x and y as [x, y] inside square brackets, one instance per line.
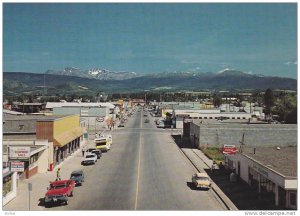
[16, 166]
[19, 152]
[229, 149]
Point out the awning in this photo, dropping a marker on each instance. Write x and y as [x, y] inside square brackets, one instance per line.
[67, 137]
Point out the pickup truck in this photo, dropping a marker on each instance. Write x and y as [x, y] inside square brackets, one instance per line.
[58, 192]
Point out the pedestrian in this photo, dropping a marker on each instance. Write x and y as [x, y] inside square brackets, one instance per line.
[82, 152]
[213, 166]
[58, 174]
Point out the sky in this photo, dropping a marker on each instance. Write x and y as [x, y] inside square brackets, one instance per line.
[150, 38]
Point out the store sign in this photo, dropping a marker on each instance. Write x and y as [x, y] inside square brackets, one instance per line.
[16, 166]
[19, 152]
[229, 149]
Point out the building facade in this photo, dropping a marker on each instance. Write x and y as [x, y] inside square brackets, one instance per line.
[271, 171]
[214, 134]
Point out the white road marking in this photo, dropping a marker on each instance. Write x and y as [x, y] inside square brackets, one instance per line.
[139, 164]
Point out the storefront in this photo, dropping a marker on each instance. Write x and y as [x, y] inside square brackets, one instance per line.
[9, 183]
[28, 160]
[64, 132]
[270, 171]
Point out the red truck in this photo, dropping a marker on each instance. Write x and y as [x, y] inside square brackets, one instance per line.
[58, 192]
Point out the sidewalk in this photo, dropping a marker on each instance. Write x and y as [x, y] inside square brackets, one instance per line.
[239, 193]
[40, 182]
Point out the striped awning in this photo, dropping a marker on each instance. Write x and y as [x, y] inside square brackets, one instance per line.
[67, 137]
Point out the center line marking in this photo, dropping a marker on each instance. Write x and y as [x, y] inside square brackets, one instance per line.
[139, 164]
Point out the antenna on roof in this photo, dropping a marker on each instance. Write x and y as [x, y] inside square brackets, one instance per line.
[242, 142]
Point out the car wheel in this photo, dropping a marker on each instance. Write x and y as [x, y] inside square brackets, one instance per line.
[72, 194]
[66, 202]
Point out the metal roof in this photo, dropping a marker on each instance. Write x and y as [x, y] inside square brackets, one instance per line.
[282, 160]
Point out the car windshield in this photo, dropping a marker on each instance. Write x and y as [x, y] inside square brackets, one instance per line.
[76, 175]
[53, 187]
[90, 156]
[202, 178]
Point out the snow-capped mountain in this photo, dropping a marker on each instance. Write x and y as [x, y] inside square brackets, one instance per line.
[94, 73]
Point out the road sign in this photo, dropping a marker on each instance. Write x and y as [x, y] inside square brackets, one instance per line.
[29, 186]
[100, 119]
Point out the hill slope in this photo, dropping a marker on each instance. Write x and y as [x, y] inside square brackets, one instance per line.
[18, 82]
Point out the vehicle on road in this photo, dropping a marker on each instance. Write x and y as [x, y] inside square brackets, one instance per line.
[77, 176]
[97, 152]
[89, 159]
[103, 142]
[90, 149]
[147, 121]
[121, 125]
[201, 180]
[58, 192]
[161, 125]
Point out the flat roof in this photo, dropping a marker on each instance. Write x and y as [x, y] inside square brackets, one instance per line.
[51, 105]
[283, 161]
[33, 117]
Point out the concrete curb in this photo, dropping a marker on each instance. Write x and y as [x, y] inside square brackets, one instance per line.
[219, 193]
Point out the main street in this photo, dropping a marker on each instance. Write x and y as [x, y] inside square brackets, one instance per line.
[144, 170]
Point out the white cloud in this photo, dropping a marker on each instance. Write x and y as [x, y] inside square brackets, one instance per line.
[291, 62]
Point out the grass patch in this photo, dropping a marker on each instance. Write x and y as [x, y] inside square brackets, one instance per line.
[214, 153]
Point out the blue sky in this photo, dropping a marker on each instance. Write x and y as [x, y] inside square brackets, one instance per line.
[148, 38]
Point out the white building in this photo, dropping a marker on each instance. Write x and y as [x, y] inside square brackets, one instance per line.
[271, 171]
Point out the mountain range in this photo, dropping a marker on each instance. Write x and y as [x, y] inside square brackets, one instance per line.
[73, 80]
[94, 73]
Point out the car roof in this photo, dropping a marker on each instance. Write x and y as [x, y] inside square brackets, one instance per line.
[201, 175]
[77, 172]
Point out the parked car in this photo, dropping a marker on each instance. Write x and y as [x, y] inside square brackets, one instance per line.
[146, 120]
[121, 125]
[58, 192]
[201, 180]
[77, 176]
[90, 158]
[97, 152]
[161, 125]
[90, 149]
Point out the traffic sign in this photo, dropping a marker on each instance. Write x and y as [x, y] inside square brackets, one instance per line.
[100, 119]
[29, 186]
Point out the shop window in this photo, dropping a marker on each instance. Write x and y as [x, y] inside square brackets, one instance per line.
[238, 118]
[233, 117]
[210, 117]
[7, 184]
[21, 127]
[244, 117]
[34, 158]
[293, 199]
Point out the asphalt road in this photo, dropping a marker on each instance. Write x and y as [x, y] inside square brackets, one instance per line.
[144, 170]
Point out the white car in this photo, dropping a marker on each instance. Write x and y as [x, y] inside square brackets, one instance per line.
[90, 158]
